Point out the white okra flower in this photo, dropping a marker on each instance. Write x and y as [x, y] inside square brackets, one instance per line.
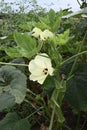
[40, 68]
[36, 32]
[42, 35]
[46, 34]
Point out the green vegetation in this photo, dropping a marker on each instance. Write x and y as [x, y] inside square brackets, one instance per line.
[58, 92]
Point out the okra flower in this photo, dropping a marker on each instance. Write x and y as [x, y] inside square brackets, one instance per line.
[46, 34]
[42, 35]
[40, 68]
[36, 32]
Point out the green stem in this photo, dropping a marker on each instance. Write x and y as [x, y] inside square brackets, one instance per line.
[73, 57]
[34, 112]
[30, 103]
[76, 56]
[28, 90]
[52, 117]
[53, 49]
[74, 64]
[14, 64]
[53, 111]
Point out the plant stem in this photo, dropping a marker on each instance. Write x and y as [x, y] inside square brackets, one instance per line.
[76, 56]
[34, 112]
[14, 64]
[83, 52]
[30, 103]
[52, 117]
[53, 111]
[79, 3]
[28, 90]
[74, 64]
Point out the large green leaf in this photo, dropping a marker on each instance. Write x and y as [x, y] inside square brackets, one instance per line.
[26, 45]
[24, 41]
[27, 26]
[44, 23]
[51, 16]
[12, 52]
[76, 92]
[51, 21]
[13, 86]
[13, 122]
[63, 38]
[57, 21]
[6, 100]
